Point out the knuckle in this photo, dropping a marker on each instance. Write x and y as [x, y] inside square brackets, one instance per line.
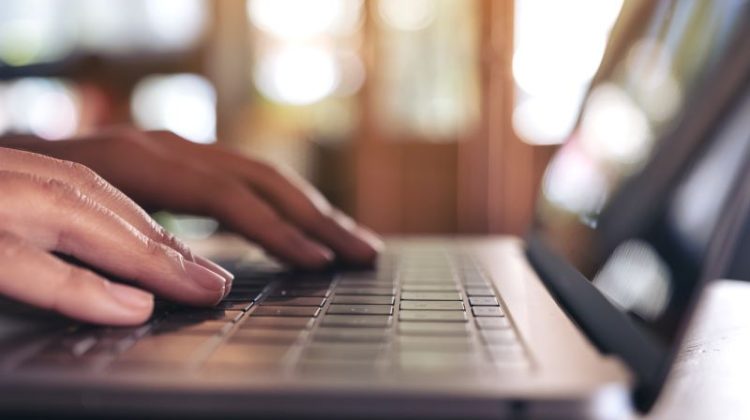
[60, 192]
[157, 250]
[172, 242]
[86, 176]
[72, 284]
[224, 190]
[72, 281]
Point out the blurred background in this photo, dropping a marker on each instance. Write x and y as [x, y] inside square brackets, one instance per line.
[418, 116]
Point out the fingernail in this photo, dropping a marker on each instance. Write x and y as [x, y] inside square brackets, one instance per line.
[216, 268]
[130, 296]
[319, 256]
[371, 238]
[204, 277]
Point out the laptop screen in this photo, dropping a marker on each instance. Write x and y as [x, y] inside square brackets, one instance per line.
[645, 89]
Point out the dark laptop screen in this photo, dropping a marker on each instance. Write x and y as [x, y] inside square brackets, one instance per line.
[644, 90]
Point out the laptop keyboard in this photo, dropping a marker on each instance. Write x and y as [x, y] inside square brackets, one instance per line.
[422, 311]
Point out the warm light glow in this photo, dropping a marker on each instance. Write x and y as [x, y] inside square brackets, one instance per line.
[614, 127]
[30, 32]
[183, 103]
[559, 115]
[297, 75]
[559, 45]
[299, 18]
[126, 25]
[352, 73]
[176, 23]
[411, 15]
[649, 63]
[637, 279]
[44, 107]
[574, 183]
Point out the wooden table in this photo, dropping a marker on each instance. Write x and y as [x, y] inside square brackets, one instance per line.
[711, 380]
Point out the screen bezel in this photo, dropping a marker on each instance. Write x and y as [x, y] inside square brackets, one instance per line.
[608, 327]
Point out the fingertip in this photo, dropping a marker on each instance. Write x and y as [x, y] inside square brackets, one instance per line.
[136, 305]
[216, 268]
[368, 246]
[316, 257]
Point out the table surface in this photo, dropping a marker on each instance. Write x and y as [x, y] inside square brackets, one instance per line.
[711, 379]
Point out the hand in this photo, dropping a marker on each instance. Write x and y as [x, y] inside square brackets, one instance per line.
[52, 205]
[273, 208]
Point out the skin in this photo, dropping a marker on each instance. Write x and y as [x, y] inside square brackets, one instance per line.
[83, 198]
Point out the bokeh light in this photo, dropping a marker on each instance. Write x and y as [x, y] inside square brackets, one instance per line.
[31, 32]
[558, 48]
[411, 15]
[44, 107]
[298, 75]
[299, 18]
[182, 103]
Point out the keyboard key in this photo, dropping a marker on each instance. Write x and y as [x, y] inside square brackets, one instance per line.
[294, 301]
[506, 352]
[445, 316]
[243, 296]
[479, 291]
[301, 311]
[335, 351]
[75, 344]
[433, 328]
[370, 276]
[248, 335]
[271, 322]
[296, 292]
[198, 328]
[487, 311]
[431, 296]
[483, 301]
[356, 321]
[247, 288]
[198, 315]
[500, 323]
[339, 334]
[435, 343]
[428, 361]
[363, 300]
[361, 309]
[435, 305]
[429, 288]
[366, 291]
[498, 336]
[366, 283]
[234, 305]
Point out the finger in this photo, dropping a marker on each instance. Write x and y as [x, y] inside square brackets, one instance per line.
[36, 277]
[294, 198]
[241, 210]
[306, 208]
[55, 216]
[237, 207]
[99, 190]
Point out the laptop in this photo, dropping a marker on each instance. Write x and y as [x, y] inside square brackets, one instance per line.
[582, 318]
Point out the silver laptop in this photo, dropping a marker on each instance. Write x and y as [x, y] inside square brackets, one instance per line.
[581, 319]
